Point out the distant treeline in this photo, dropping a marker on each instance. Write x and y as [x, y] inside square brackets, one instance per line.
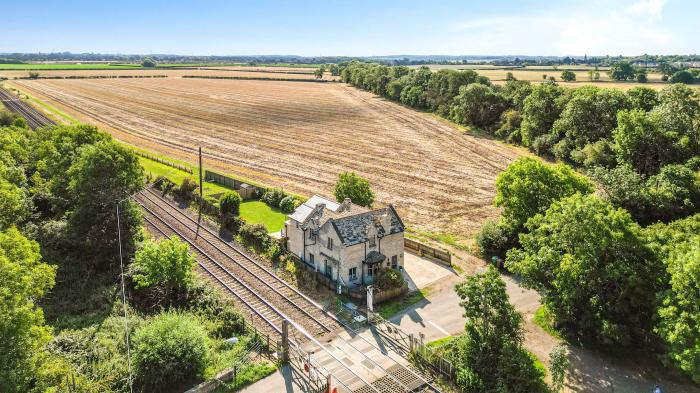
[13, 58]
[640, 138]
[253, 78]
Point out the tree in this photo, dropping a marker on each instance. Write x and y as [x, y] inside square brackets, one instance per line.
[477, 105]
[102, 174]
[640, 142]
[643, 98]
[590, 115]
[558, 364]
[13, 207]
[166, 265]
[489, 356]
[148, 62]
[683, 76]
[318, 73]
[621, 71]
[599, 284]
[641, 75]
[529, 186]
[540, 110]
[568, 76]
[230, 203]
[680, 311]
[24, 279]
[168, 351]
[350, 185]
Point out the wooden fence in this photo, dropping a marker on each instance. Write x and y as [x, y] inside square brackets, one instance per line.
[249, 192]
[431, 253]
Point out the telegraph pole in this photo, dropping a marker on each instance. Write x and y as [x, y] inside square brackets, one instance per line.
[201, 192]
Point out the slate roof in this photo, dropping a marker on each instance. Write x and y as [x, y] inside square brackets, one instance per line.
[352, 229]
[302, 212]
[374, 257]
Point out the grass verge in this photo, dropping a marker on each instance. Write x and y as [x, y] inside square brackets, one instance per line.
[388, 309]
[440, 342]
[544, 319]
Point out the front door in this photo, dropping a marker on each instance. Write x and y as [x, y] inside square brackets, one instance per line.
[329, 269]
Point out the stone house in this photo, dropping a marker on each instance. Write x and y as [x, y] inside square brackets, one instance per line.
[345, 242]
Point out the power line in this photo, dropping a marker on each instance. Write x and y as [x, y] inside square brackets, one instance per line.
[126, 319]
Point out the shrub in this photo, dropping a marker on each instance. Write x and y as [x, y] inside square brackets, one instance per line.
[288, 204]
[255, 235]
[230, 203]
[165, 265]
[495, 238]
[212, 305]
[389, 279]
[273, 197]
[186, 189]
[164, 185]
[169, 351]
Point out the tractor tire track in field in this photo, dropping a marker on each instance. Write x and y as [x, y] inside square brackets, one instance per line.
[300, 136]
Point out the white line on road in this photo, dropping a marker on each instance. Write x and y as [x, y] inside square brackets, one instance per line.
[439, 328]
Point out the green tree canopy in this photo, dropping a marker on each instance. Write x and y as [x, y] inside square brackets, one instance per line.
[102, 174]
[590, 115]
[478, 105]
[356, 188]
[590, 263]
[621, 71]
[148, 62]
[529, 186]
[568, 76]
[13, 206]
[165, 264]
[489, 356]
[24, 279]
[540, 110]
[168, 351]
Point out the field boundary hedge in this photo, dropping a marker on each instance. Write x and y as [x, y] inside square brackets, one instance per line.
[257, 78]
[94, 77]
[264, 71]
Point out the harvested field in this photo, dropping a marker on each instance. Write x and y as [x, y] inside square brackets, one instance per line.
[299, 136]
[268, 72]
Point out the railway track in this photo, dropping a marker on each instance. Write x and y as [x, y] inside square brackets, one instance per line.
[269, 299]
[35, 119]
[286, 298]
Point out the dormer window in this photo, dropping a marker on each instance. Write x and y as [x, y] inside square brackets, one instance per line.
[372, 241]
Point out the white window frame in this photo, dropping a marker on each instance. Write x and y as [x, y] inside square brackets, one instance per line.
[352, 274]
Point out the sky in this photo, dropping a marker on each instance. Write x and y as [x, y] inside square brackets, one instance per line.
[353, 28]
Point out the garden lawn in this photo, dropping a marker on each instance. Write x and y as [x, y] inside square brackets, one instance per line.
[257, 212]
[175, 175]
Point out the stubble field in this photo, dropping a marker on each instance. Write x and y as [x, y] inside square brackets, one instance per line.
[299, 136]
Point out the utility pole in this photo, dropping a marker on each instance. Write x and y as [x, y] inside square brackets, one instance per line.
[201, 191]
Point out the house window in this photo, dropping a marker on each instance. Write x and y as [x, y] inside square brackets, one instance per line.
[352, 273]
[311, 259]
[371, 269]
[329, 245]
[394, 261]
[373, 241]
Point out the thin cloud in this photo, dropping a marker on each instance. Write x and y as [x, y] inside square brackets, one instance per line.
[592, 29]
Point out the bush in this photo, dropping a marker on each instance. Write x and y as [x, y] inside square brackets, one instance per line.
[255, 235]
[389, 279]
[169, 351]
[187, 189]
[273, 197]
[230, 203]
[495, 238]
[288, 204]
[211, 304]
[166, 264]
[164, 185]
